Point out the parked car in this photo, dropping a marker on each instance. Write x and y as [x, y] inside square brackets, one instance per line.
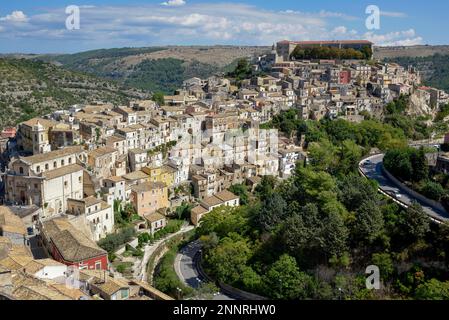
[394, 194]
[30, 231]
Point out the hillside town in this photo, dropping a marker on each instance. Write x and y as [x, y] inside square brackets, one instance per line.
[66, 176]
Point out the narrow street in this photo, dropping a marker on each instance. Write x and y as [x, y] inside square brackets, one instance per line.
[186, 268]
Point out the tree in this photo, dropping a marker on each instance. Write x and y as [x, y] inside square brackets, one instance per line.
[323, 156]
[414, 222]
[158, 97]
[369, 223]
[285, 281]
[227, 260]
[432, 190]
[334, 234]
[206, 291]
[224, 220]
[314, 186]
[350, 155]
[251, 280]
[183, 211]
[241, 191]
[354, 189]
[385, 264]
[367, 52]
[266, 186]
[242, 70]
[433, 290]
[300, 233]
[419, 165]
[273, 211]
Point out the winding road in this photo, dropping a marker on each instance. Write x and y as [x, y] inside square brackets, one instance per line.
[186, 268]
[372, 169]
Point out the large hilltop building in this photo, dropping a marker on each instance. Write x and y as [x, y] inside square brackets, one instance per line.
[285, 48]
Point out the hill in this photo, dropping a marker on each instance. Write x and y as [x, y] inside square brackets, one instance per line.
[409, 51]
[155, 68]
[29, 88]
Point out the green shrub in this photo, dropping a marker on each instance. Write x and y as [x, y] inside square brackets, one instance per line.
[113, 241]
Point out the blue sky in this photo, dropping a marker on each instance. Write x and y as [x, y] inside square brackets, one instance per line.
[40, 26]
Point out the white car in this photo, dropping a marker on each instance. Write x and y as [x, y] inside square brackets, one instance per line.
[395, 194]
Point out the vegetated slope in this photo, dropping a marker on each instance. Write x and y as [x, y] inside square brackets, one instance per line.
[156, 68]
[434, 69]
[105, 63]
[409, 51]
[31, 88]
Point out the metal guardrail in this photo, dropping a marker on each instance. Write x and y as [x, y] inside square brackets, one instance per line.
[399, 202]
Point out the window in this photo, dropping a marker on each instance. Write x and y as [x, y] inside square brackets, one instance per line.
[62, 162]
[38, 169]
[46, 166]
[70, 160]
[107, 216]
[65, 184]
[21, 170]
[55, 164]
[80, 179]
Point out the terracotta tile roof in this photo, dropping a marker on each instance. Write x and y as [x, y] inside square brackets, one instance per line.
[135, 175]
[148, 186]
[15, 262]
[70, 242]
[115, 179]
[153, 217]
[9, 222]
[53, 154]
[199, 210]
[212, 201]
[56, 173]
[35, 265]
[226, 195]
[89, 201]
[44, 122]
[101, 152]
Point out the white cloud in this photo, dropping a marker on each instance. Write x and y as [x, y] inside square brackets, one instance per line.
[398, 38]
[15, 16]
[174, 3]
[202, 23]
[392, 14]
[341, 30]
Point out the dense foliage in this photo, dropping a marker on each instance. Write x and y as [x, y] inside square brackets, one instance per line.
[313, 235]
[367, 134]
[113, 241]
[410, 166]
[330, 53]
